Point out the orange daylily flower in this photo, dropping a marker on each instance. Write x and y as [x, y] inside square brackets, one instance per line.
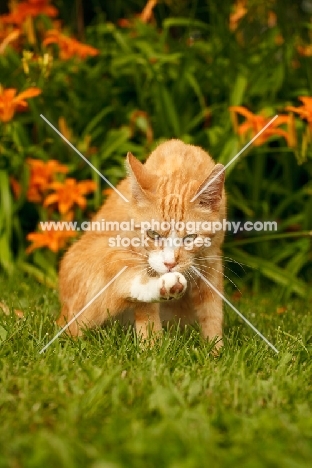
[10, 103]
[272, 19]
[239, 12]
[255, 123]
[28, 8]
[279, 40]
[64, 129]
[305, 111]
[145, 16]
[69, 193]
[69, 47]
[124, 23]
[16, 187]
[41, 175]
[53, 240]
[8, 36]
[305, 51]
[107, 192]
[147, 12]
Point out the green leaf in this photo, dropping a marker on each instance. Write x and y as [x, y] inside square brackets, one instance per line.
[274, 273]
[230, 150]
[95, 121]
[3, 333]
[40, 276]
[168, 110]
[5, 202]
[185, 22]
[6, 259]
[238, 90]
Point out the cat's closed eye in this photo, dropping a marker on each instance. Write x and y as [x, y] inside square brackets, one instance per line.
[153, 234]
[189, 237]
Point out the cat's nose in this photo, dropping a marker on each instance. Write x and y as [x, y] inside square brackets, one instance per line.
[170, 265]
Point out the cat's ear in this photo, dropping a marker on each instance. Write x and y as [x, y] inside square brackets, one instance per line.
[141, 180]
[209, 193]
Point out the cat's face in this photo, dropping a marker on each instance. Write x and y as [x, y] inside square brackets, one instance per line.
[174, 230]
[175, 250]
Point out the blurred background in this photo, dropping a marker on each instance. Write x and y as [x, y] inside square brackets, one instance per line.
[123, 76]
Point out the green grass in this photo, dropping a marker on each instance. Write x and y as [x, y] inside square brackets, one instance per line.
[101, 402]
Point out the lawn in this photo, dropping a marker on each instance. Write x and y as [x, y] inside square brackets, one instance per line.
[103, 402]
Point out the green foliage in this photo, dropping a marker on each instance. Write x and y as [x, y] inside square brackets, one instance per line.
[174, 78]
[101, 401]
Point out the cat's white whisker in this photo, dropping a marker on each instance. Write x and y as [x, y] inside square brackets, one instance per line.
[195, 271]
[224, 275]
[188, 272]
[225, 259]
[228, 268]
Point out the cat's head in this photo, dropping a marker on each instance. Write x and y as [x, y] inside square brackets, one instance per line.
[177, 216]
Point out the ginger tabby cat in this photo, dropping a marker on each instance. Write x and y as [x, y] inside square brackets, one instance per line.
[159, 284]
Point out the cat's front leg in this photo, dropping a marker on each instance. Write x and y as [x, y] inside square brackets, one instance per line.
[210, 310]
[210, 318]
[147, 321]
[169, 286]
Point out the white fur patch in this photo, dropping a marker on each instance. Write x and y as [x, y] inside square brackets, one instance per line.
[144, 292]
[157, 259]
[151, 291]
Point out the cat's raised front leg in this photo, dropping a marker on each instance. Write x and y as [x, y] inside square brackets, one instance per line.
[148, 293]
[169, 286]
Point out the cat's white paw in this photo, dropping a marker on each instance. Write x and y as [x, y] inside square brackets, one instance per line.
[168, 286]
[172, 286]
